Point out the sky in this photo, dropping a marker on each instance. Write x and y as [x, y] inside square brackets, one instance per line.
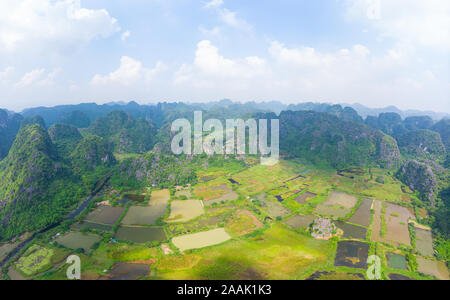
[374, 52]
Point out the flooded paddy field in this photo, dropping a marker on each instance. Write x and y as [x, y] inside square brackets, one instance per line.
[185, 210]
[230, 196]
[397, 223]
[424, 242]
[320, 275]
[143, 215]
[135, 197]
[160, 197]
[352, 231]
[78, 240]
[140, 234]
[301, 199]
[396, 261]
[337, 205]
[91, 225]
[105, 215]
[127, 271]
[201, 239]
[434, 268]
[352, 254]
[300, 221]
[394, 276]
[362, 214]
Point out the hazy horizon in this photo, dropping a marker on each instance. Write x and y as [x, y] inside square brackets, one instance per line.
[58, 52]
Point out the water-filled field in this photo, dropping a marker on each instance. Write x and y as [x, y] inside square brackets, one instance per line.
[143, 215]
[300, 221]
[319, 275]
[434, 268]
[396, 261]
[201, 239]
[127, 271]
[230, 196]
[362, 214]
[140, 234]
[394, 276]
[160, 197]
[90, 225]
[352, 231]
[105, 215]
[397, 224]
[352, 254]
[424, 242]
[301, 199]
[337, 205]
[185, 210]
[78, 240]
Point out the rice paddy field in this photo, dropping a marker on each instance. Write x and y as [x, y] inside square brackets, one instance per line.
[78, 240]
[434, 268]
[185, 210]
[396, 261]
[250, 223]
[138, 234]
[424, 242]
[201, 239]
[337, 205]
[300, 221]
[105, 215]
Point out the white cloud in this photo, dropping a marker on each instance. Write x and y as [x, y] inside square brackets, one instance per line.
[130, 72]
[214, 3]
[125, 35]
[209, 65]
[423, 23]
[38, 77]
[51, 25]
[230, 18]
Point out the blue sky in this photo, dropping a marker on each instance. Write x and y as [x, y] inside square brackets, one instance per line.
[375, 52]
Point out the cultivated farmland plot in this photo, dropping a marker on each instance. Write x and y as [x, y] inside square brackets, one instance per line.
[105, 215]
[300, 221]
[139, 234]
[437, 269]
[396, 261]
[77, 240]
[148, 215]
[201, 239]
[352, 231]
[352, 254]
[397, 223]
[362, 214]
[231, 196]
[424, 242]
[274, 209]
[127, 271]
[185, 210]
[337, 205]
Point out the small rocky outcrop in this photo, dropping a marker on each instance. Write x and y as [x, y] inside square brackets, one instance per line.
[419, 177]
